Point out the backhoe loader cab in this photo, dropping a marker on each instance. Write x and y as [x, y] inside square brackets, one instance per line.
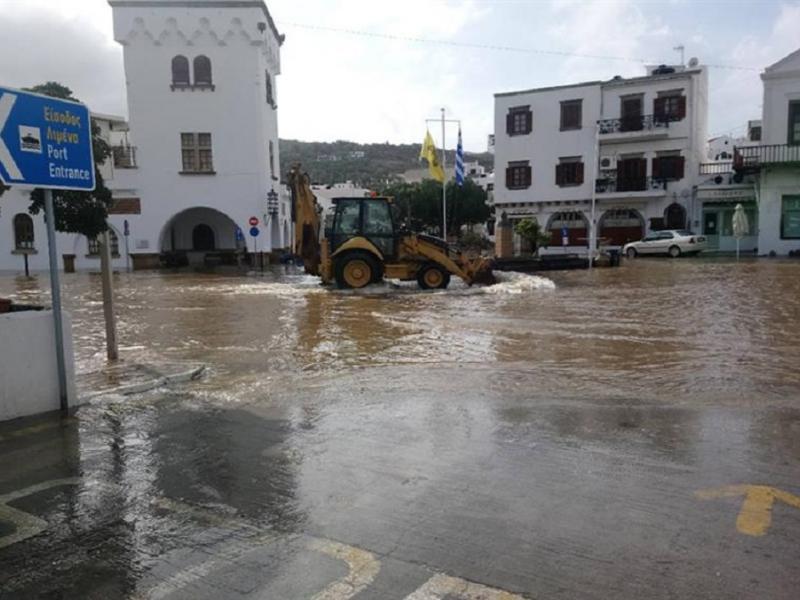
[362, 244]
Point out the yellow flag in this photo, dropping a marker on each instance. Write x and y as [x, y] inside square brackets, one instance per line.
[428, 152]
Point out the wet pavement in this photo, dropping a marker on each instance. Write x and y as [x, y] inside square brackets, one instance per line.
[621, 433]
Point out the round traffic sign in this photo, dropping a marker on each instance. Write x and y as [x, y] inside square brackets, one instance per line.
[254, 231]
[253, 221]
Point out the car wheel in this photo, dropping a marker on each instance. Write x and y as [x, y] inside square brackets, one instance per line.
[631, 253]
[674, 251]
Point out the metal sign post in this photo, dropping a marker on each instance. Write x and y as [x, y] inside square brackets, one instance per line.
[47, 143]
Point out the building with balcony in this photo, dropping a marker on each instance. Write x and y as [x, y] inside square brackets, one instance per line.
[199, 155]
[631, 144]
[775, 162]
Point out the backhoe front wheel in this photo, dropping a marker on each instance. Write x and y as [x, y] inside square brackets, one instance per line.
[356, 270]
[433, 277]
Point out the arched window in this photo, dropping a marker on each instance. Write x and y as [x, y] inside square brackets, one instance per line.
[202, 70]
[23, 232]
[180, 71]
[203, 238]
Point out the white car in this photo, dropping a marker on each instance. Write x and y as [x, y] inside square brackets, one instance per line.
[672, 242]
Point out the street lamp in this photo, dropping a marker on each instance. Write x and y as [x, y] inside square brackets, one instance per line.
[272, 203]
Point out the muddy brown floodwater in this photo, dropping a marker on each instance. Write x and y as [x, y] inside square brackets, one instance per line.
[586, 435]
[683, 330]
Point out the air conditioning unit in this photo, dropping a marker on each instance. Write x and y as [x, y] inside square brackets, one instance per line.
[608, 163]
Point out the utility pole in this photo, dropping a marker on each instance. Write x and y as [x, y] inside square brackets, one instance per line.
[593, 217]
[108, 296]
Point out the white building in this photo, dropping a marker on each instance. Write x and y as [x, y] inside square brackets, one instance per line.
[643, 137]
[199, 156]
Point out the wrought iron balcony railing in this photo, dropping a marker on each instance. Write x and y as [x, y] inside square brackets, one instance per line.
[634, 123]
[716, 168]
[612, 183]
[753, 157]
[124, 157]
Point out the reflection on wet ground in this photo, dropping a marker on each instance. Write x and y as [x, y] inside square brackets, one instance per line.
[546, 436]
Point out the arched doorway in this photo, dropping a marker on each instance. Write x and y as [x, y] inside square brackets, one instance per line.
[577, 227]
[203, 238]
[675, 216]
[618, 226]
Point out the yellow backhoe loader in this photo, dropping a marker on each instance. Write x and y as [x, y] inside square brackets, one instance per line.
[363, 244]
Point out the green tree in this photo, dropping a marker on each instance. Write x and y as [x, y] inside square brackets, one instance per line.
[530, 231]
[77, 212]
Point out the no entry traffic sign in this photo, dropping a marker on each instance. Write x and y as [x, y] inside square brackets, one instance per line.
[253, 221]
[45, 142]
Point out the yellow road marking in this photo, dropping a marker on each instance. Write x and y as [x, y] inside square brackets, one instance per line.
[363, 569]
[441, 586]
[755, 516]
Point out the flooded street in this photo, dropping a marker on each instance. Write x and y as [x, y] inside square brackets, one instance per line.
[569, 436]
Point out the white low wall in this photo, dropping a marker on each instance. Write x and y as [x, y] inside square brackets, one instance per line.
[28, 372]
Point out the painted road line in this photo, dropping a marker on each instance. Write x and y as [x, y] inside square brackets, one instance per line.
[363, 569]
[755, 516]
[442, 586]
[25, 524]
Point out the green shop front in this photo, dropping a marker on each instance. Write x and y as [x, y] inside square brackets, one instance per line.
[718, 206]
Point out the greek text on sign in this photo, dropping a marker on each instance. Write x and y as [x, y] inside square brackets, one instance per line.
[45, 142]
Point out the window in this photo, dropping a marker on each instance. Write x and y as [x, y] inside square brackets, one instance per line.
[790, 218]
[518, 175]
[202, 71]
[755, 133]
[569, 171]
[519, 120]
[23, 232]
[631, 113]
[180, 72]
[571, 114]
[272, 160]
[794, 122]
[669, 106]
[196, 153]
[668, 166]
[93, 244]
[270, 92]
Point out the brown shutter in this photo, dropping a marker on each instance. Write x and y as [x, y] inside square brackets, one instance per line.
[509, 171]
[680, 161]
[579, 173]
[681, 107]
[528, 177]
[658, 109]
[559, 174]
[656, 168]
[510, 123]
[529, 120]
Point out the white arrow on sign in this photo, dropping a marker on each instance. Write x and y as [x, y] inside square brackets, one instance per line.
[6, 104]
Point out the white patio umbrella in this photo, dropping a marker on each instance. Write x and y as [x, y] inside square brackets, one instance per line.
[741, 226]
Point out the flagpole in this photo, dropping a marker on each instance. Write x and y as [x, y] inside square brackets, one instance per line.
[444, 184]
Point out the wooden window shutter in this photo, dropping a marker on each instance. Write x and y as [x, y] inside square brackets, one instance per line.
[579, 172]
[680, 162]
[658, 108]
[529, 121]
[528, 176]
[509, 177]
[510, 123]
[559, 174]
[681, 107]
[656, 168]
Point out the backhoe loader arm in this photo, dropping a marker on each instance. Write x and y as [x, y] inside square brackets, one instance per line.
[307, 220]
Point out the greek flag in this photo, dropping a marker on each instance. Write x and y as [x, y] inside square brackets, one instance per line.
[459, 161]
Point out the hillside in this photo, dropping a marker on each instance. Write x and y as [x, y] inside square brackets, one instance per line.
[363, 164]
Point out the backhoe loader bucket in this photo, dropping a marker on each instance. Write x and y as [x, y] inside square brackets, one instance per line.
[479, 270]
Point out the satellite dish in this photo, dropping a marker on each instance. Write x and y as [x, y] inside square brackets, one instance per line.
[693, 62]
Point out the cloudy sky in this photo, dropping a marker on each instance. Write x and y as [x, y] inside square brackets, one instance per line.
[368, 88]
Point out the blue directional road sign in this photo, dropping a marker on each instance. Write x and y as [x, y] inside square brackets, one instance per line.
[254, 231]
[45, 142]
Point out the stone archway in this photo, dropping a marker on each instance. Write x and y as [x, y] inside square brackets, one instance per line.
[197, 234]
[577, 228]
[618, 226]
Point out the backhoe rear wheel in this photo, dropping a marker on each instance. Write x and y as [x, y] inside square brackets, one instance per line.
[356, 270]
[433, 277]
